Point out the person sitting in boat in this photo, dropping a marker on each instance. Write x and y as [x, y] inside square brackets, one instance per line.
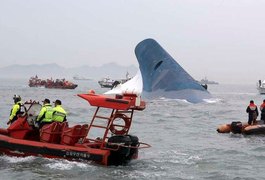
[59, 114]
[253, 113]
[16, 109]
[46, 114]
[262, 110]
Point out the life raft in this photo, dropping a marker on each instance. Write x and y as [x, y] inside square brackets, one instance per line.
[237, 127]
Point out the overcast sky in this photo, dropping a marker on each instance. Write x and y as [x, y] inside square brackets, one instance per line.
[221, 39]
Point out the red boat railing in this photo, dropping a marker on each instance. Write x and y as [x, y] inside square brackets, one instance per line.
[122, 109]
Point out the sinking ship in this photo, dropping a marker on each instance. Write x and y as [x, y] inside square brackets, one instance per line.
[161, 76]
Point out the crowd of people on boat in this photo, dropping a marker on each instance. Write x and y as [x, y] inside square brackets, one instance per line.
[47, 114]
[37, 82]
[58, 82]
[253, 112]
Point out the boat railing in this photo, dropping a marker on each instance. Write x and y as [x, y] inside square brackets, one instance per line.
[112, 125]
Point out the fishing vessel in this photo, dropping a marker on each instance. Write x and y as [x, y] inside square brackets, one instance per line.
[261, 86]
[112, 145]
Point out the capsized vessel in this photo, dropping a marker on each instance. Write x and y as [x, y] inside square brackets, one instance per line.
[57, 140]
[161, 76]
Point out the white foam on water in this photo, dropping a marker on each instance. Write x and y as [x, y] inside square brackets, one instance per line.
[212, 100]
[164, 99]
[65, 165]
[13, 159]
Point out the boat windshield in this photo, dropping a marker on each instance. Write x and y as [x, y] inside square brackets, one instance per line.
[32, 112]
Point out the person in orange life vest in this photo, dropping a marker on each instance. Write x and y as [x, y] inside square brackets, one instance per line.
[262, 110]
[253, 113]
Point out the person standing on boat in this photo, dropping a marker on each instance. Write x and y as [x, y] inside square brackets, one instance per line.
[46, 113]
[262, 110]
[59, 114]
[253, 113]
[16, 109]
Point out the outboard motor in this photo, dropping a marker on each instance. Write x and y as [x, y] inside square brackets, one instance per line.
[236, 127]
[120, 153]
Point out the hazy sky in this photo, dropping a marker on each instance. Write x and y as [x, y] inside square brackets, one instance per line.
[221, 39]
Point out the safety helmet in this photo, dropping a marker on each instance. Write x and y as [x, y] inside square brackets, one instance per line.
[16, 98]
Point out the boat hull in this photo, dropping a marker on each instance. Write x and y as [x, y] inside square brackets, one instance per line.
[61, 87]
[163, 77]
[18, 147]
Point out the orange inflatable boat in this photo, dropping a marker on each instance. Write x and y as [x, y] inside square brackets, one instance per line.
[237, 127]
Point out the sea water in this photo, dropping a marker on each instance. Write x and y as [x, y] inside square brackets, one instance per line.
[183, 136]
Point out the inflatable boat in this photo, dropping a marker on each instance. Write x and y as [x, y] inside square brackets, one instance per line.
[57, 140]
[237, 127]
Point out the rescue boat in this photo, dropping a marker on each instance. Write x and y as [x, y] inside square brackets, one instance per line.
[51, 84]
[237, 127]
[115, 146]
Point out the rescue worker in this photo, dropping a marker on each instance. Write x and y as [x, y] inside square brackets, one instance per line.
[59, 114]
[262, 110]
[16, 109]
[253, 113]
[46, 113]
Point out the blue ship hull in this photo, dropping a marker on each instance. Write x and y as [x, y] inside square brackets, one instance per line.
[163, 77]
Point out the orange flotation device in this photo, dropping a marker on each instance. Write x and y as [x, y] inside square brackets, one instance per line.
[237, 127]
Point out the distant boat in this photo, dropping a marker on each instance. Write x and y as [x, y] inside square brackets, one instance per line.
[106, 82]
[60, 84]
[35, 81]
[110, 83]
[50, 83]
[76, 77]
[206, 81]
[261, 87]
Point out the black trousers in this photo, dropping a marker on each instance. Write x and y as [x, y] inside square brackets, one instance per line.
[251, 119]
[262, 117]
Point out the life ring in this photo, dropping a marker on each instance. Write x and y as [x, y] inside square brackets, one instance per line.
[125, 127]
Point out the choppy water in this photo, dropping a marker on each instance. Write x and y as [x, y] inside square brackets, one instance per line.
[185, 144]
